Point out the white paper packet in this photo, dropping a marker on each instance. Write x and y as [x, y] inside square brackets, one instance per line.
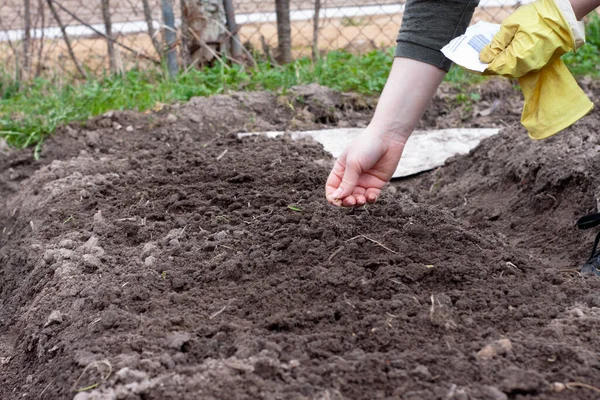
[464, 50]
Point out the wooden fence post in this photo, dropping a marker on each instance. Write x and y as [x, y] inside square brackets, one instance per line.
[151, 32]
[109, 43]
[236, 47]
[284, 31]
[315, 44]
[40, 55]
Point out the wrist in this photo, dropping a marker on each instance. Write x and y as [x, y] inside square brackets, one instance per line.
[582, 8]
[567, 9]
[394, 131]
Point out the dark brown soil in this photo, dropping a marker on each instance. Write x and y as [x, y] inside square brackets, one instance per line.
[532, 191]
[171, 260]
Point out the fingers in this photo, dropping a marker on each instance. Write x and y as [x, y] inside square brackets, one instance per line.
[334, 180]
[349, 181]
[346, 188]
[356, 199]
[506, 64]
[359, 195]
[372, 195]
[512, 64]
[354, 173]
[349, 201]
[360, 200]
[499, 43]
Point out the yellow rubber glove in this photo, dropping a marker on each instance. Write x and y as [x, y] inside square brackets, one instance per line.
[531, 37]
[553, 100]
[528, 47]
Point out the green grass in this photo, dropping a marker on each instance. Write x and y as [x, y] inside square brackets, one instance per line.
[29, 112]
[32, 111]
[586, 60]
[462, 78]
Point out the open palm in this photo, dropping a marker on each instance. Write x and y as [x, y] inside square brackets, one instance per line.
[363, 169]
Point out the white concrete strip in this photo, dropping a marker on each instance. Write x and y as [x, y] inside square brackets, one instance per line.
[337, 12]
[424, 151]
[251, 18]
[75, 31]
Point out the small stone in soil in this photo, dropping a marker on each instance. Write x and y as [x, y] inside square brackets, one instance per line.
[55, 317]
[176, 340]
[497, 348]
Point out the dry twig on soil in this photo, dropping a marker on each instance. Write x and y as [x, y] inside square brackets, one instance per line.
[569, 270]
[95, 364]
[372, 240]
[335, 253]
[348, 301]
[215, 315]
[571, 385]
[44, 391]
[509, 264]
[222, 154]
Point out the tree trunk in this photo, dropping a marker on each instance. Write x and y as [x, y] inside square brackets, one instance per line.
[185, 37]
[40, 64]
[109, 43]
[284, 31]
[53, 3]
[66, 38]
[151, 31]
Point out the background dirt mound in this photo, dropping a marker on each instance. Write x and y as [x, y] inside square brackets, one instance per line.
[204, 119]
[201, 120]
[175, 264]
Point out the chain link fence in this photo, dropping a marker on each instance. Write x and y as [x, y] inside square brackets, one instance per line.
[77, 38]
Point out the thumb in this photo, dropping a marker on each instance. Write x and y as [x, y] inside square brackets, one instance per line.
[499, 43]
[349, 181]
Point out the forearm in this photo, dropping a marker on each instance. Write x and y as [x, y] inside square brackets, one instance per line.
[584, 7]
[408, 91]
[419, 66]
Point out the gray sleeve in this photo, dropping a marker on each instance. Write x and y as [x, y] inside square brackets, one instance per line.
[428, 25]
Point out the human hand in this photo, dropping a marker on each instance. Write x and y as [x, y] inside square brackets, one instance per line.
[364, 167]
[369, 162]
[532, 37]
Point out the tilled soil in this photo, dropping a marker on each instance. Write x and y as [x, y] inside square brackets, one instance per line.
[159, 257]
[532, 191]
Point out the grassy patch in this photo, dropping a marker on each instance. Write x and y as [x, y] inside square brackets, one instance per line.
[463, 78]
[29, 112]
